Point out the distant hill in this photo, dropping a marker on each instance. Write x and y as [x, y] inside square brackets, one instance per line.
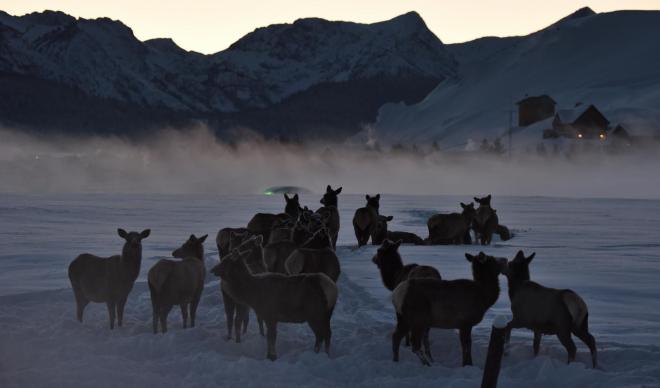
[310, 79]
[608, 59]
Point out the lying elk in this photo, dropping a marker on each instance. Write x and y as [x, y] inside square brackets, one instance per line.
[236, 313]
[446, 304]
[365, 219]
[393, 272]
[381, 232]
[178, 282]
[107, 280]
[453, 228]
[315, 256]
[547, 310]
[277, 298]
[330, 212]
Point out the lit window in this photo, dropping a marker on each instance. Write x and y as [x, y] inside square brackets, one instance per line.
[602, 136]
[579, 136]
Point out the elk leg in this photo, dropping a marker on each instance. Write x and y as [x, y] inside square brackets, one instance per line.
[120, 311]
[238, 320]
[164, 312]
[427, 345]
[184, 314]
[567, 341]
[466, 345]
[81, 303]
[193, 308]
[416, 335]
[271, 327]
[111, 312]
[318, 333]
[154, 309]
[537, 342]
[400, 331]
[230, 307]
[589, 340]
[328, 334]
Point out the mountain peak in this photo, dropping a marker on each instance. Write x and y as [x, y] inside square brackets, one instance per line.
[580, 13]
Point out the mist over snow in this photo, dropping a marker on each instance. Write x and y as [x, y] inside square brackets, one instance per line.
[195, 161]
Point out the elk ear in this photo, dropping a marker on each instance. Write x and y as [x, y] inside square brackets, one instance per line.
[202, 239]
[389, 218]
[338, 190]
[488, 197]
[145, 233]
[397, 244]
[378, 197]
[476, 199]
[367, 197]
[328, 189]
[295, 197]
[286, 197]
[530, 258]
[122, 233]
[463, 205]
[469, 257]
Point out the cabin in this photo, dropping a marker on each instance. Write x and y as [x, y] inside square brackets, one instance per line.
[581, 122]
[534, 109]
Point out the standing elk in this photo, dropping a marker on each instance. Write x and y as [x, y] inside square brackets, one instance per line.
[107, 280]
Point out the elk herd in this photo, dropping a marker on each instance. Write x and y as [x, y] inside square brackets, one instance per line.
[284, 267]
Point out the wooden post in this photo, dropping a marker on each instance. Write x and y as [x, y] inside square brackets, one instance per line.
[495, 351]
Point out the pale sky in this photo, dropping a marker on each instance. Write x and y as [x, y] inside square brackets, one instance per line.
[209, 26]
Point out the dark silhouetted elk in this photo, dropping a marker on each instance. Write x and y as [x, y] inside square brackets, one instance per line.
[453, 228]
[393, 272]
[421, 304]
[224, 240]
[547, 310]
[316, 255]
[365, 219]
[278, 298]
[107, 280]
[330, 212]
[238, 314]
[178, 283]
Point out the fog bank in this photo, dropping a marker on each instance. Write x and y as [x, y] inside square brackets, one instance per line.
[194, 161]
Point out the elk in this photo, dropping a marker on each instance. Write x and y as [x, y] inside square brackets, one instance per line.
[329, 212]
[547, 310]
[223, 239]
[365, 219]
[236, 313]
[460, 304]
[278, 298]
[393, 272]
[453, 228]
[107, 280]
[316, 255]
[178, 282]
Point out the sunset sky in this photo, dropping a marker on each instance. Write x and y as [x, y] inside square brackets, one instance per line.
[209, 26]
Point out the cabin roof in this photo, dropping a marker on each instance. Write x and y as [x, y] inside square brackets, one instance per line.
[570, 116]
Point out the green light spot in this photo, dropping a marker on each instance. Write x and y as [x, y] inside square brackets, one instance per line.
[268, 192]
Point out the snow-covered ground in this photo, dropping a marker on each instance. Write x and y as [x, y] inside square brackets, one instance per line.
[607, 250]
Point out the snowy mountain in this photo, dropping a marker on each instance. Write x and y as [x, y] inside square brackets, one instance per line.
[102, 62]
[609, 59]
